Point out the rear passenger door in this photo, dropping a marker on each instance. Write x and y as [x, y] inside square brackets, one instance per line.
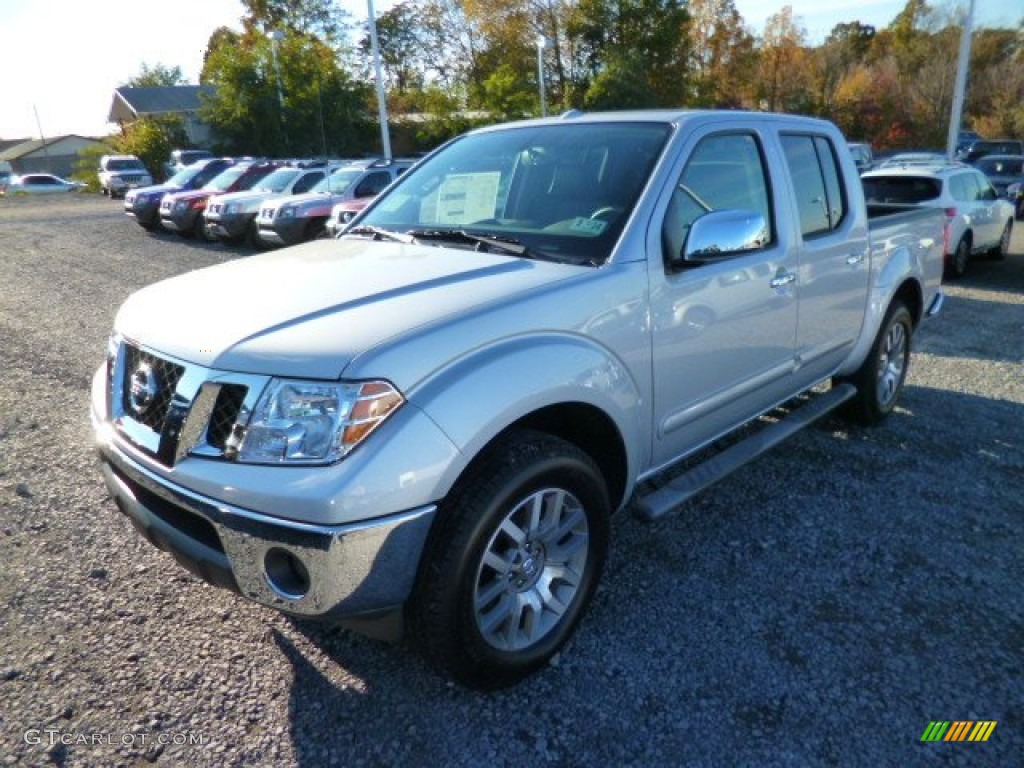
[834, 267]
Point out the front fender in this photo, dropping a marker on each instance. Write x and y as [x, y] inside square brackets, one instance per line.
[480, 395]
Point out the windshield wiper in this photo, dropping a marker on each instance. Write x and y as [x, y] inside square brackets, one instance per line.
[506, 244]
[379, 233]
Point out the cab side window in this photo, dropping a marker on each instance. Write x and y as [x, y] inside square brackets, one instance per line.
[725, 171]
[816, 179]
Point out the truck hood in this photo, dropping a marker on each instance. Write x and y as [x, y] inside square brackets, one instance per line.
[306, 311]
[307, 198]
[247, 198]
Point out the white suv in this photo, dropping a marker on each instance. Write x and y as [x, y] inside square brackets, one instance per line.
[977, 221]
[119, 173]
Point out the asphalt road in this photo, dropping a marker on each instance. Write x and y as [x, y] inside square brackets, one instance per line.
[820, 607]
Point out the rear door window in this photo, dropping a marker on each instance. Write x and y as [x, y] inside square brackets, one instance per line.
[816, 180]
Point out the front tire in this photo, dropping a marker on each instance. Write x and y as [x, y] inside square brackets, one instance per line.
[513, 561]
[880, 379]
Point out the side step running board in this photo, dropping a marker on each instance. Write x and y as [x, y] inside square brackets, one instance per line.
[663, 500]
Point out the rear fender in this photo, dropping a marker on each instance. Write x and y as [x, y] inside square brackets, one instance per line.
[898, 271]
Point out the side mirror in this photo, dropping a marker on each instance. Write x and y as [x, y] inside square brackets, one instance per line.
[720, 234]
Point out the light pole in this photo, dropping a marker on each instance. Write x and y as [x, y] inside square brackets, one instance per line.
[276, 36]
[541, 44]
[382, 105]
[960, 86]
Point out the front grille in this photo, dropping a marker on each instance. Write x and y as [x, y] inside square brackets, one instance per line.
[166, 376]
[225, 413]
[267, 213]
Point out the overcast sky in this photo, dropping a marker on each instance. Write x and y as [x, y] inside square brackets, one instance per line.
[62, 59]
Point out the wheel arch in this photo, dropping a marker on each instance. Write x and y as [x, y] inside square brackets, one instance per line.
[591, 430]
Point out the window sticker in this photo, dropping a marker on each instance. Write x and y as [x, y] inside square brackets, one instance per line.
[467, 197]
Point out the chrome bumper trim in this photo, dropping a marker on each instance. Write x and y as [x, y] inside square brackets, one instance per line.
[354, 568]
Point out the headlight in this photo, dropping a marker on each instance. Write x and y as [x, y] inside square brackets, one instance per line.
[286, 212]
[313, 422]
[232, 207]
[180, 205]
[346, 216]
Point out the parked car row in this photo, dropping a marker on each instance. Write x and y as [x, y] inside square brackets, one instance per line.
[265, 203]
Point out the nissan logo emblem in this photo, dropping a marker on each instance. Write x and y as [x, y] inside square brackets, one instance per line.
[144, 388]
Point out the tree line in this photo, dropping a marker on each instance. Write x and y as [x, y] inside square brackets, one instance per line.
[449, 65]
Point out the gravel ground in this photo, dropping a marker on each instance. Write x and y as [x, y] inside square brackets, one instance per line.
[819, 607]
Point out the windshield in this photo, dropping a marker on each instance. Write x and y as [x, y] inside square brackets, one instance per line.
[185, 175]
[278, 180]
[562, 192]
[187, 158]
[125, 165]
[224, 180]
[338, 181]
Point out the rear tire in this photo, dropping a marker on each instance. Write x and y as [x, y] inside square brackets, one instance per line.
[1001, 251]
[960, 258]
[880, 379]
[513, 561]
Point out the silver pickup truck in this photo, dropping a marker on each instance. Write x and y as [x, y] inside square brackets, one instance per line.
[425, 425]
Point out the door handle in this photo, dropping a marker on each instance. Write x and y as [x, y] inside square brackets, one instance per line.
[782, 279]
[855, 258]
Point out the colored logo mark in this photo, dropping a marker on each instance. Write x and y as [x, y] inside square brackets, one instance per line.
[959, 730]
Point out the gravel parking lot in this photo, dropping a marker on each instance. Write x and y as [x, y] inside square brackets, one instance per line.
[819, 607]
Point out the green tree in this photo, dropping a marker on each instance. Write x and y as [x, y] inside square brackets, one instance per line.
[649, 39]
[158, 75]
[322, 19]
[88, 162]
[323, 108]
[151, 139]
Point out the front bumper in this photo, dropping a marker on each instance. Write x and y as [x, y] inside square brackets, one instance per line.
[180, 221]
[284, 231]
[229, 225]
[144, 213]
[353, 571]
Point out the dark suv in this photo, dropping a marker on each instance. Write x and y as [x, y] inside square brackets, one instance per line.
[979, 149]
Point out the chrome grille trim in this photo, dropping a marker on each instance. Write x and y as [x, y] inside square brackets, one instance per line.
[202, 408]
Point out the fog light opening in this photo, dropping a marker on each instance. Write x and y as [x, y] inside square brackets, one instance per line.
[286, 574]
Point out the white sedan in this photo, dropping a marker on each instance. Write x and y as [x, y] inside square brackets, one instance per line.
[38, 183]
